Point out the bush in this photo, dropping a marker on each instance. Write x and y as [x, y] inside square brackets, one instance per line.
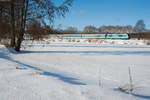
[145, 35]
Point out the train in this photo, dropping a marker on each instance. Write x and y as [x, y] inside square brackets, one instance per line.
[92, 36]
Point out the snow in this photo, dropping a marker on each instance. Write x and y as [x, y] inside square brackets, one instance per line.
[74, 71]
[101, 41]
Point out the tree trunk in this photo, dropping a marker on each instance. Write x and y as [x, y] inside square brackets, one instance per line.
[12, 44]
[1, 11]
[23, 24]
[19, 41]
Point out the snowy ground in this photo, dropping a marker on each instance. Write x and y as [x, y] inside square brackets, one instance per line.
[74, 71]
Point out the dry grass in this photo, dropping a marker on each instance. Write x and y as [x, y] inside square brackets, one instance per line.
[5, 42]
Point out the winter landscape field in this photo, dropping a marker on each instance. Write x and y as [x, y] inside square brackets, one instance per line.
[75, 71]
[74, 50]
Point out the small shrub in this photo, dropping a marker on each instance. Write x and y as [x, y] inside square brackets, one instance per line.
[38, 71]
[148, 43]
[128, 87]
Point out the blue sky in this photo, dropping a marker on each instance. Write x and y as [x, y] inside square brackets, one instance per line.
[106, 12]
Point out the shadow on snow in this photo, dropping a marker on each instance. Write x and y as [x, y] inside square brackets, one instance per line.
[66, 79]
[92, 52]
[134, 94]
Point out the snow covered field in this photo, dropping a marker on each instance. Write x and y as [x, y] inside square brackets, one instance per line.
[74, 71]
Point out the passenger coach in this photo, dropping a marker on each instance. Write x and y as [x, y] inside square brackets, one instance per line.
[93, 36]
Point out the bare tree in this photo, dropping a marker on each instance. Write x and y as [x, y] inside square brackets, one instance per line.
[140, 26]
[4, 19]
[22, 11]
[70, 30]
[90, 29]
[115, 29]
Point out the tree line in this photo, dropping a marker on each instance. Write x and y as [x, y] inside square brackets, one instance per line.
[139, 27]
